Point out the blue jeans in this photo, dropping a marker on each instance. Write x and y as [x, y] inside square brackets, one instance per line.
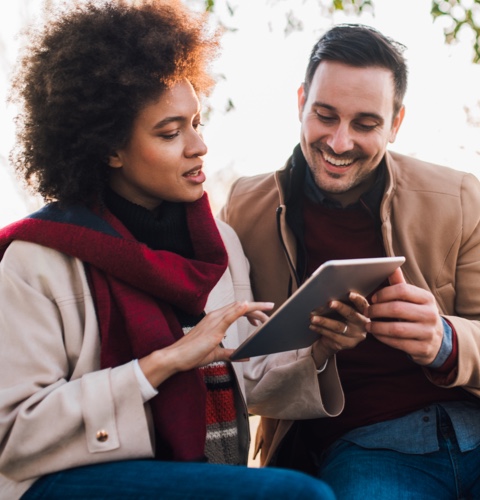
[355, 473]
[148, 479]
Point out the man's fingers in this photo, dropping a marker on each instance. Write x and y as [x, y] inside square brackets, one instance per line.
[397, 277]
[359, 301]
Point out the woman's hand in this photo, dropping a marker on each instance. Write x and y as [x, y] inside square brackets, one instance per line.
[201, 345]
[345, 331]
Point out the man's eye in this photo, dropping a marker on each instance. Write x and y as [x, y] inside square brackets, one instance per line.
[325, 119]
[196, 126]
[364, 127]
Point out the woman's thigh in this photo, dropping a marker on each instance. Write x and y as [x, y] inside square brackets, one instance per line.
[146, 479]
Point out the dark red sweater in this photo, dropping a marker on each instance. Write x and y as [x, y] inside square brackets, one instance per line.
[380, 383]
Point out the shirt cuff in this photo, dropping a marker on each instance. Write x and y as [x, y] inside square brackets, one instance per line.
[446, 347]
[146, 389]
[322, 368]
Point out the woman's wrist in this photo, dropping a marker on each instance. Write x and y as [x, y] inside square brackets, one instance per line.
[158, 366]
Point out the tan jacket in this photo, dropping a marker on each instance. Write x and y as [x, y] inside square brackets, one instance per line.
[53, 396]
[429, 214]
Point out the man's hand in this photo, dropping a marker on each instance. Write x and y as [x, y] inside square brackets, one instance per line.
[345, 331]
[406, 317]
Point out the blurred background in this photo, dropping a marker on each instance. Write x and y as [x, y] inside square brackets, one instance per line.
[251, 117]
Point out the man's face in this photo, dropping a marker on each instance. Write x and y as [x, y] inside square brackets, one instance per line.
[347, 122]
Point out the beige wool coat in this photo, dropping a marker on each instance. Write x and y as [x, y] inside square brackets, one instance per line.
[55, 399]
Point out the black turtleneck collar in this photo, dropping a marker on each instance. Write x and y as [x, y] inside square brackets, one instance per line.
[166, 229]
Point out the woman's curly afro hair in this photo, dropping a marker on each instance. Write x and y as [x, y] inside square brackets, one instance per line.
[84, 77]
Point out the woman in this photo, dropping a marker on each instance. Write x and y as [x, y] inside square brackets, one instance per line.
[114, 381]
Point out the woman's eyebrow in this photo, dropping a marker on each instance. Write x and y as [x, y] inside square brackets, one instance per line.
[168, 120]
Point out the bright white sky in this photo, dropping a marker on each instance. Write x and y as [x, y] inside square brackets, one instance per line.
[263, 69]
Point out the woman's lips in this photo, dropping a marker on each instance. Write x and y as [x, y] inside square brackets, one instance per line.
[196, 175]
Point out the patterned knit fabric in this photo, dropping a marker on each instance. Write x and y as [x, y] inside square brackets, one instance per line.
[221, 446]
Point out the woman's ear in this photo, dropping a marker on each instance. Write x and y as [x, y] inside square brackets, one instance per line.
[115, 161]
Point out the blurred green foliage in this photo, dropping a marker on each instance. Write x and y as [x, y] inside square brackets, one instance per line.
[460, 16]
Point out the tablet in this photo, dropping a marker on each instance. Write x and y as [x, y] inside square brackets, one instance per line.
[288, 327]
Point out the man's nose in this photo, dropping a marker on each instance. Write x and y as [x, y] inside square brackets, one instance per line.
[340, 139]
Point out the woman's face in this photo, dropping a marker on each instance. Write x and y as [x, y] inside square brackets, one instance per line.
[163, 158]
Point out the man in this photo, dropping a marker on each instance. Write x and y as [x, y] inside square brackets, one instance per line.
[410, 427]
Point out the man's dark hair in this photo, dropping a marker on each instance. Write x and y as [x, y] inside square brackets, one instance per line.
[361, 46]
[84, 77]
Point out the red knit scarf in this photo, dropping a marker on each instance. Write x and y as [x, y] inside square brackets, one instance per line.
[134, 288]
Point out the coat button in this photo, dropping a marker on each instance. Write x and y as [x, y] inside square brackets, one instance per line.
[102, 436]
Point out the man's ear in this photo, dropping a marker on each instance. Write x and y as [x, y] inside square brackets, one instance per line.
[115, 161]
[301, 100]
[396, 124]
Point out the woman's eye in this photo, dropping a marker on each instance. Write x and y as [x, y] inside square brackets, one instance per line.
[197, 125]
[169, 137]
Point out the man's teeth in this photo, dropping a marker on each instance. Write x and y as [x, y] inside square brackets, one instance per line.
[338, 162]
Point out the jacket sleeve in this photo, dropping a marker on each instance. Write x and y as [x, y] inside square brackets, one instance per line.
[57, 408]
[284, 385]
[465, 292]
